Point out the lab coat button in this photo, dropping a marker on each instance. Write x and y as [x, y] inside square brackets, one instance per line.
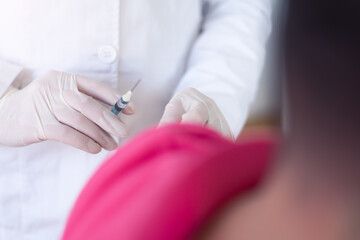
[107, 54]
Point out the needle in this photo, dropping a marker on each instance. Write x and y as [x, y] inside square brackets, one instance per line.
[137, 83]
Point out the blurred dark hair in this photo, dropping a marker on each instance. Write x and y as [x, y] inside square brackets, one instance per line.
[322, 65]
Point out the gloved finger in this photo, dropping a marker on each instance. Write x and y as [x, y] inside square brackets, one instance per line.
[70, 136]
[96, 112]
[130, 109]
[173, 112]
[98, 90]
[79, 122]
[102, 92]
[197, 113]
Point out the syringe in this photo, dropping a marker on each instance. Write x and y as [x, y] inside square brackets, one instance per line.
[124, 100]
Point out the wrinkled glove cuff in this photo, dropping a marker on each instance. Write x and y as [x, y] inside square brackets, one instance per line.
[9, 91]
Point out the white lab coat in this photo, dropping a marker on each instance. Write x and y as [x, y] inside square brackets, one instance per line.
[215, 46]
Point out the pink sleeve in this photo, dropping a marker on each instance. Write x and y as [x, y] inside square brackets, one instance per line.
[164, 183]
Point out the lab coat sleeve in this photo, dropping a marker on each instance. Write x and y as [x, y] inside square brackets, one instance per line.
[227, 57]
[8, 73]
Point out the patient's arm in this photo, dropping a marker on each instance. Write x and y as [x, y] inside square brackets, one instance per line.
[165, 183]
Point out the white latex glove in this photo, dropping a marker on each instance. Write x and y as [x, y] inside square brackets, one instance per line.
[191, 106]
[63, 107]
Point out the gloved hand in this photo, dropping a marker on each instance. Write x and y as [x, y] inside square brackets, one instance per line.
[191, 106]
[63, 107]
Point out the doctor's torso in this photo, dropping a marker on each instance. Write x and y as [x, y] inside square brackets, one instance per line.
[115, 41]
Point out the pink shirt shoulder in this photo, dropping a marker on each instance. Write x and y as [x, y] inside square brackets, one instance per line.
[165, 183]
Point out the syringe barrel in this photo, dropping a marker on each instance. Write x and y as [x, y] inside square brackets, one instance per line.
[119, 106]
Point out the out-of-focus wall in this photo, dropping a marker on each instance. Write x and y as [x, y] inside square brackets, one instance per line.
[265, 110]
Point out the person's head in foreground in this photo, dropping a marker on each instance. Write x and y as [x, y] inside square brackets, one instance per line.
[175, 186]
[312, 192]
